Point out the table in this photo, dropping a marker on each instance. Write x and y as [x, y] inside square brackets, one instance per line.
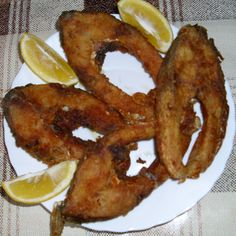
[215, 214]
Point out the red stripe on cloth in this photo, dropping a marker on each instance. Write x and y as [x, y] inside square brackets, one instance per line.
[164, 9]
[172, 6]
[181, 18]
[100, 6]
[28, 15]
[21, 17]
[13, 28]
[4, 18]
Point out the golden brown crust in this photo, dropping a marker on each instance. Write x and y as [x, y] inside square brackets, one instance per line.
[190, 71]
[86, 37]
[42, 118]
[98, 192]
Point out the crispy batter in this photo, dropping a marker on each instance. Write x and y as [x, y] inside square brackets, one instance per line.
[86, 37]
[42, 118]
[98, 192]
[190, 72]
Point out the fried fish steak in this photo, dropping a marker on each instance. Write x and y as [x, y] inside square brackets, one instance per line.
[42, 118]
[86, 37]
[191, 72]
[98, 192]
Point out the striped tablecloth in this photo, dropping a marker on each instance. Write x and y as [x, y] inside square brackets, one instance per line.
[215, 214]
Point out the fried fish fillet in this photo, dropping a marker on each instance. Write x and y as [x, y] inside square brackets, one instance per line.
[42, 118]
[98, 192]
[190, 73]
[86, 37]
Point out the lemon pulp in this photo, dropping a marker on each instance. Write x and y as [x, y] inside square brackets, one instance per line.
[149, 20]
[46, 63]
[40, 186]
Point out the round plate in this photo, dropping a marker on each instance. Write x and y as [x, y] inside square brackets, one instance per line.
[160, 207]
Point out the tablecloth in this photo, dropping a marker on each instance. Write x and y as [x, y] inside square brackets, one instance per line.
[215, 214]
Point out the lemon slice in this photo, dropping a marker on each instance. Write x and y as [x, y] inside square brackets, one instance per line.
[149, 20]
[38, 187]
[45, 62]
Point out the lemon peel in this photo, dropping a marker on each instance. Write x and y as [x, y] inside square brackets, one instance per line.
[149, 21]
[45, 62]
[34, 188]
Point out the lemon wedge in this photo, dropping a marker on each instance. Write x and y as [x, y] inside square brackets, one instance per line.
[46, 63]
[38, 187]
[149, 20]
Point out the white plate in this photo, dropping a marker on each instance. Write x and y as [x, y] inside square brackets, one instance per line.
[166, 202]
